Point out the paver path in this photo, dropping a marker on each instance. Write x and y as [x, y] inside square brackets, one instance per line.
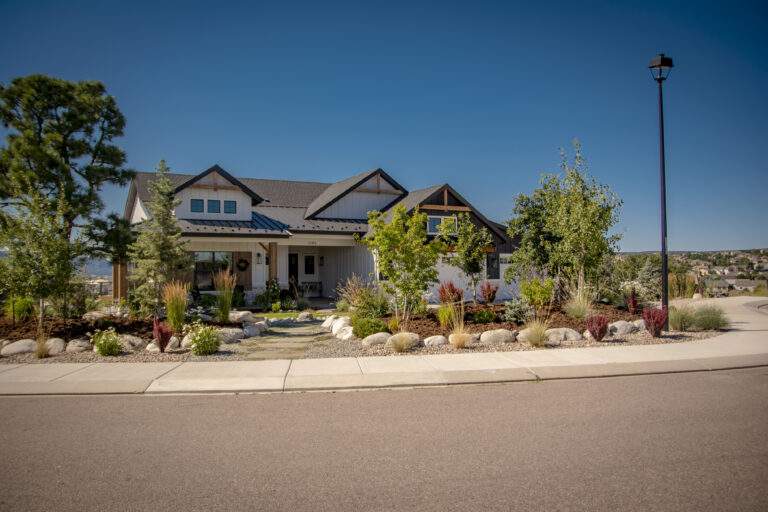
[282, 342]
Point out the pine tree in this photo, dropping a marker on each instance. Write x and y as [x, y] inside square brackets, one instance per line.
[159, 253]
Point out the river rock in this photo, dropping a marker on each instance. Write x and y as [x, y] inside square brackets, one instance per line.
[346, 333]
[378, 338]
[328, 322]
[24, 346]
[254, 329]
[339, 324]
[130, 342]
[241, 316]
[152, 347]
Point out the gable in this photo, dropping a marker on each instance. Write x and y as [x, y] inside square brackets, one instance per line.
[375, 193]
[214, 177]
[384, 185]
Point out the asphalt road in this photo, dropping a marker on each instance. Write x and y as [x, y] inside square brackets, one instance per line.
[692, 441]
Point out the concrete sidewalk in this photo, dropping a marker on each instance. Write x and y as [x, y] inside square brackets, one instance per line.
[745, 345]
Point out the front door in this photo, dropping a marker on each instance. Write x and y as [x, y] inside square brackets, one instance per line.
[293, 271]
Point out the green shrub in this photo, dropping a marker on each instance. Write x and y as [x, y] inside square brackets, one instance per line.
[365, 326]
[207, 301]
[276, 307]
[681, 318]
[537, 292]
[372, 304]
[445, 316]
[107, 343]
[484, 316]
[302, 304]
[517, 311]
[288, 304]
[19, 308]
[342, 305]
[710, 318]
[204, 339]
[393, 325]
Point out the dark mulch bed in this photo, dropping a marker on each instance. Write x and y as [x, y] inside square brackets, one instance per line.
[72, 328]
[427, 325]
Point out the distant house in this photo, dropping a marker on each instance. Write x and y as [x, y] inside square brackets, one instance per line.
[301, 233]
[746, 285]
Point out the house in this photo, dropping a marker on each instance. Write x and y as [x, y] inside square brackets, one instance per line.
[717, 287]
[746, 285]
[300, 233]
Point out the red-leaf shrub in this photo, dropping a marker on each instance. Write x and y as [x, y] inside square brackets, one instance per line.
[597, 325]
[488, 292]
[449, 293]
[632, 302]
[654, 320]
[162, 333]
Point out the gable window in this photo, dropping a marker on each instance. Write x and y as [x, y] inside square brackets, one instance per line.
[434, 222]
[214, 206]
[197, 206]
[309, 264]
[230, 206]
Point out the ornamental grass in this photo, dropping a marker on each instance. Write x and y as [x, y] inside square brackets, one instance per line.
[224, 282]
[175, 298]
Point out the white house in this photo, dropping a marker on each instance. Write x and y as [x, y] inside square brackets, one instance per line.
[300, 233]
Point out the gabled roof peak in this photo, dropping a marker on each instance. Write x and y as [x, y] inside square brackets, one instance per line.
[216, 168]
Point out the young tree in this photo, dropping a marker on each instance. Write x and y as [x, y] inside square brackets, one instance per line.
[563, 228]
[467, 244]
[110, 238]
[59, 154]
[405, 257]
[159, 253]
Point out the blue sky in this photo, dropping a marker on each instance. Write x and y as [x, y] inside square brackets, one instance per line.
[477, 94]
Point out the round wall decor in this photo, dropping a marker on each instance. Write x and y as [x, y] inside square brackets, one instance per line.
[242, 264]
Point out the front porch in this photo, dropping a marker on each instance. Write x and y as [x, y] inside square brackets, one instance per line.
[312, 266]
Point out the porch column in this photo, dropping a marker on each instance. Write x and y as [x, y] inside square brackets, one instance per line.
[273, 260]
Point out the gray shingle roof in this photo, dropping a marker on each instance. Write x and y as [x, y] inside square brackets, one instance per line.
[336, 190]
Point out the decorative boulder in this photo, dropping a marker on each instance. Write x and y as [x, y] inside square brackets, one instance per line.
[346, 333]
[497, 337]
[19, 347]
[305, 316]
[79, 345]
[697, 296]
[339, 324]
[379, 338]
[4, 343]
[152, 347]
[406, 340]
[254, 329]
[435, 341]
[621, 327]
[328, 322]
[186, 341]
[55, 346]
[92, 316]
[231, 335]
[173, 343]
[639, 324]
[563, 334]
[130, 342]
[241, 316]
[588, 336]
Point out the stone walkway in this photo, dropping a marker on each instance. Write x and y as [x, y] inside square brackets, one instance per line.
[281, 342]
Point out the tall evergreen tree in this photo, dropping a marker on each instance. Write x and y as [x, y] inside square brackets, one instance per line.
[159, 253]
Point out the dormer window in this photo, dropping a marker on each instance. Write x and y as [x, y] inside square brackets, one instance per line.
[214, 206]
[230, 206]
[197, 206]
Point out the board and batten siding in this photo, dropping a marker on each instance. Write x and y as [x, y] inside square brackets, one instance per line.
[340, 263]
[225, 191]
[356, 205]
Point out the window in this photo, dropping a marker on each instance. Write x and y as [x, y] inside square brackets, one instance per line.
[208, 263]
[214, 206]
[230, 206]
[197, 206]
[309, 264]
[492, 265]
[433, 223]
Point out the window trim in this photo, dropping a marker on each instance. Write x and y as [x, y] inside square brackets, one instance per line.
[233, 204]
[194, 201]
[212, 202]
[442, 218]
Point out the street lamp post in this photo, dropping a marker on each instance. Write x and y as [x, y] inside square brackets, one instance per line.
[660, 67]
